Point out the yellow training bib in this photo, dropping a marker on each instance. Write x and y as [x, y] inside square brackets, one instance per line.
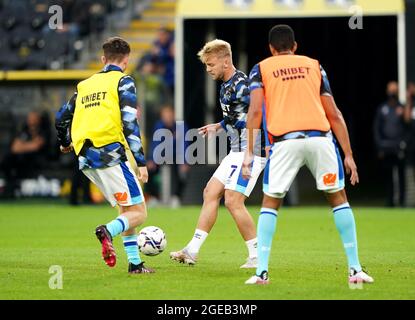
[97, 114]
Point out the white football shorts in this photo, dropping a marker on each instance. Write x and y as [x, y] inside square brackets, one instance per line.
[119, 184]
[229, 172]
[319, 154]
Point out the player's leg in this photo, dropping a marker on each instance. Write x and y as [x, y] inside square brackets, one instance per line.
[212, 194]
[235, 203]
[284, 161]
[237, 190]
[267, 224]
[136, 215]
[120, 186]
[101, 232]
[324, 161]
[346, 226]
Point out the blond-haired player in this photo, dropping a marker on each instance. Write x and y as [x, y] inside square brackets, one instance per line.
[227, 180]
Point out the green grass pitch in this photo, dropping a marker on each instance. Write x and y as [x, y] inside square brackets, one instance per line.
[307, 259]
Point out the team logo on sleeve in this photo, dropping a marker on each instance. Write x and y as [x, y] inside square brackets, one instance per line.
[330, 179]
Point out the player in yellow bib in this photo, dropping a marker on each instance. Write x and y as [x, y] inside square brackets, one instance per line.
[100, 124]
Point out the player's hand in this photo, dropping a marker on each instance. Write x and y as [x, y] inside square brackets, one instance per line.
[142, 174]
[66, 149]
[208, 129]
[246, 165]
[351, 169]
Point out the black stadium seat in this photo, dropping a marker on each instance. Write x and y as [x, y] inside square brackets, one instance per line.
[8, 20]
[4, 40]
[22, 36]
[10, 61]
[38, 20]
[8, 58]
[14, 14]
[27, 42]
[36, 60]
[56, 45]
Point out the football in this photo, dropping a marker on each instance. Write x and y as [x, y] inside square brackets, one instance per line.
[151, 241]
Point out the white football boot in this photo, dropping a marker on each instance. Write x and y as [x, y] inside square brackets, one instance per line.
[262, 279]
[250, 263]
[183, 256]
[359, 277]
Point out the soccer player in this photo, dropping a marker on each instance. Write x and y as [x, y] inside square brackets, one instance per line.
[301, 117]
[100, 124]
[227, 180]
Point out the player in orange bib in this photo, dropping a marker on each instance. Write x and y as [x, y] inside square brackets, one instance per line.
[301, 120]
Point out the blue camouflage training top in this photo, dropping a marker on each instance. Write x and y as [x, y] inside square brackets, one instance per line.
[234, 100]
[114, 153]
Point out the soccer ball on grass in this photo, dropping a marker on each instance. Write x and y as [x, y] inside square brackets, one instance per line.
[151, 241]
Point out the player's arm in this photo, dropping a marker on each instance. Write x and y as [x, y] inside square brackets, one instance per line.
[131, 129]
[339, 128]
[63, 121]
[254, 117]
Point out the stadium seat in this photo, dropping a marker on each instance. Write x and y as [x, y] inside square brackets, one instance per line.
[9, 60]
[37, 60]
[28, 42]
[23, 35]
[56, 47]
[4, 41]
[38, 20]
[14, 13]
[8, 20]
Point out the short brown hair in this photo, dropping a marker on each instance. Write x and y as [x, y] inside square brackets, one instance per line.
[116, 48]
[217, 47]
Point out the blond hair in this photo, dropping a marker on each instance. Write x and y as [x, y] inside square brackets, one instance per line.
[217, 47]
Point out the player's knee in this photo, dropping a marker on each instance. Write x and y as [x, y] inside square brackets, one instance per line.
[230, 203]
[136, 214]
[209, 194]
[233, 201]
[139, 218]
[142, 215]
[206, 193]
[271, 202]
[336, 198]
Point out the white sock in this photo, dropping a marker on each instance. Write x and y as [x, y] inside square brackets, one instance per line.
[252, 245]
[194, 245]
